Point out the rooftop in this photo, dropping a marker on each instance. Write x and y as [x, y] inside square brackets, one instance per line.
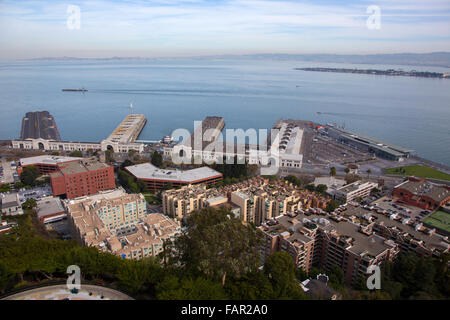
[128, 130]
[49, 206]
[46, 159]
[150, 172]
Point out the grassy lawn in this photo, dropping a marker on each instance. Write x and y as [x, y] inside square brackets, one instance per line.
[439, 220]
[151, 198]
[419, 171]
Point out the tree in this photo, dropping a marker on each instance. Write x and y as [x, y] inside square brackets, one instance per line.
[347, 170]
[5, 187]
[332, 205]
[368, 173]
[217, 245]
[321, 188]
[18, 185]
[294, 180]
[131, 153]
[156, 159]
[29, 175]
[5, 278]
[310, 187]
[54, 153]
[29, 204]
[76, 153]
[336, 275]
[332, 171]
[280, 269]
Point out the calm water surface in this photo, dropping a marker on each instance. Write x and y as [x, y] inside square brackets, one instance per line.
[411, 112]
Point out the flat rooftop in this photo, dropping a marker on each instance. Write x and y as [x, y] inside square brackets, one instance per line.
[46, 159]
[49, 206]
[128, 130]
[353, 186]
[39, 125]
[358, 242]
[82, 166]
[387, 147]
[435, 240]
[150, 172]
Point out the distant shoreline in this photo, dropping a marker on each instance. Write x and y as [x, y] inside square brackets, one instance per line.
[389, 72]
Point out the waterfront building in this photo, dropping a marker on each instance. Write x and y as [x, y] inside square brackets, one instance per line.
[39, 124]
[422, 193]
[82, 177]
[158, 179]
[360, 142]
[117, 222]
[122, 139]
[283, 147]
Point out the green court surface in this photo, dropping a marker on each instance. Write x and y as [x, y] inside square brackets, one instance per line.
[439, 220]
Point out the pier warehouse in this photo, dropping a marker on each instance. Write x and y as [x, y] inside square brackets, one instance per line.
[122, 139]
[157, 179]
[378, 148]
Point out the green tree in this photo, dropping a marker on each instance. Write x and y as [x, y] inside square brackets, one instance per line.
[29, 175]
[368, 173]
[18, 185]
[321, 188]
[280, 269]
[332, 171]
[157, 159]
[217, 245]
[332, 205]
[5, 187]
[29, 204]
[347, 170]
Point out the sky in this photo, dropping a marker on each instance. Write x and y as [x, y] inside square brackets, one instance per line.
[161, 28]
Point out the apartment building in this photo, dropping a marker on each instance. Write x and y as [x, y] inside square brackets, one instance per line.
[410, 235]
[254, 200]
[324, 241]
[82, 177]
[178, 203]
[116, 222]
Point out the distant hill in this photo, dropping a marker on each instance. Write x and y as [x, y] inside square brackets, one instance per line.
[436, 59]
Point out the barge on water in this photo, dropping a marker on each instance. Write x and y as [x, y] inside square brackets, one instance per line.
[75, 90]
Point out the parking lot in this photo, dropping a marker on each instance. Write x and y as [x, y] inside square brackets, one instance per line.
[35, 193]
[325, 150]
[404, 210]
[61, 227]
[6, 171]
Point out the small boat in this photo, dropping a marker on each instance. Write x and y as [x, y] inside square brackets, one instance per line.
[75, 90]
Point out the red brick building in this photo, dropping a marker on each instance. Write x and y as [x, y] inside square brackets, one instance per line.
[422, 194]
[81, 178]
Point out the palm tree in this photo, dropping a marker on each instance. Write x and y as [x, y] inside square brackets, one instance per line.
[368, 173]
[333, 171]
